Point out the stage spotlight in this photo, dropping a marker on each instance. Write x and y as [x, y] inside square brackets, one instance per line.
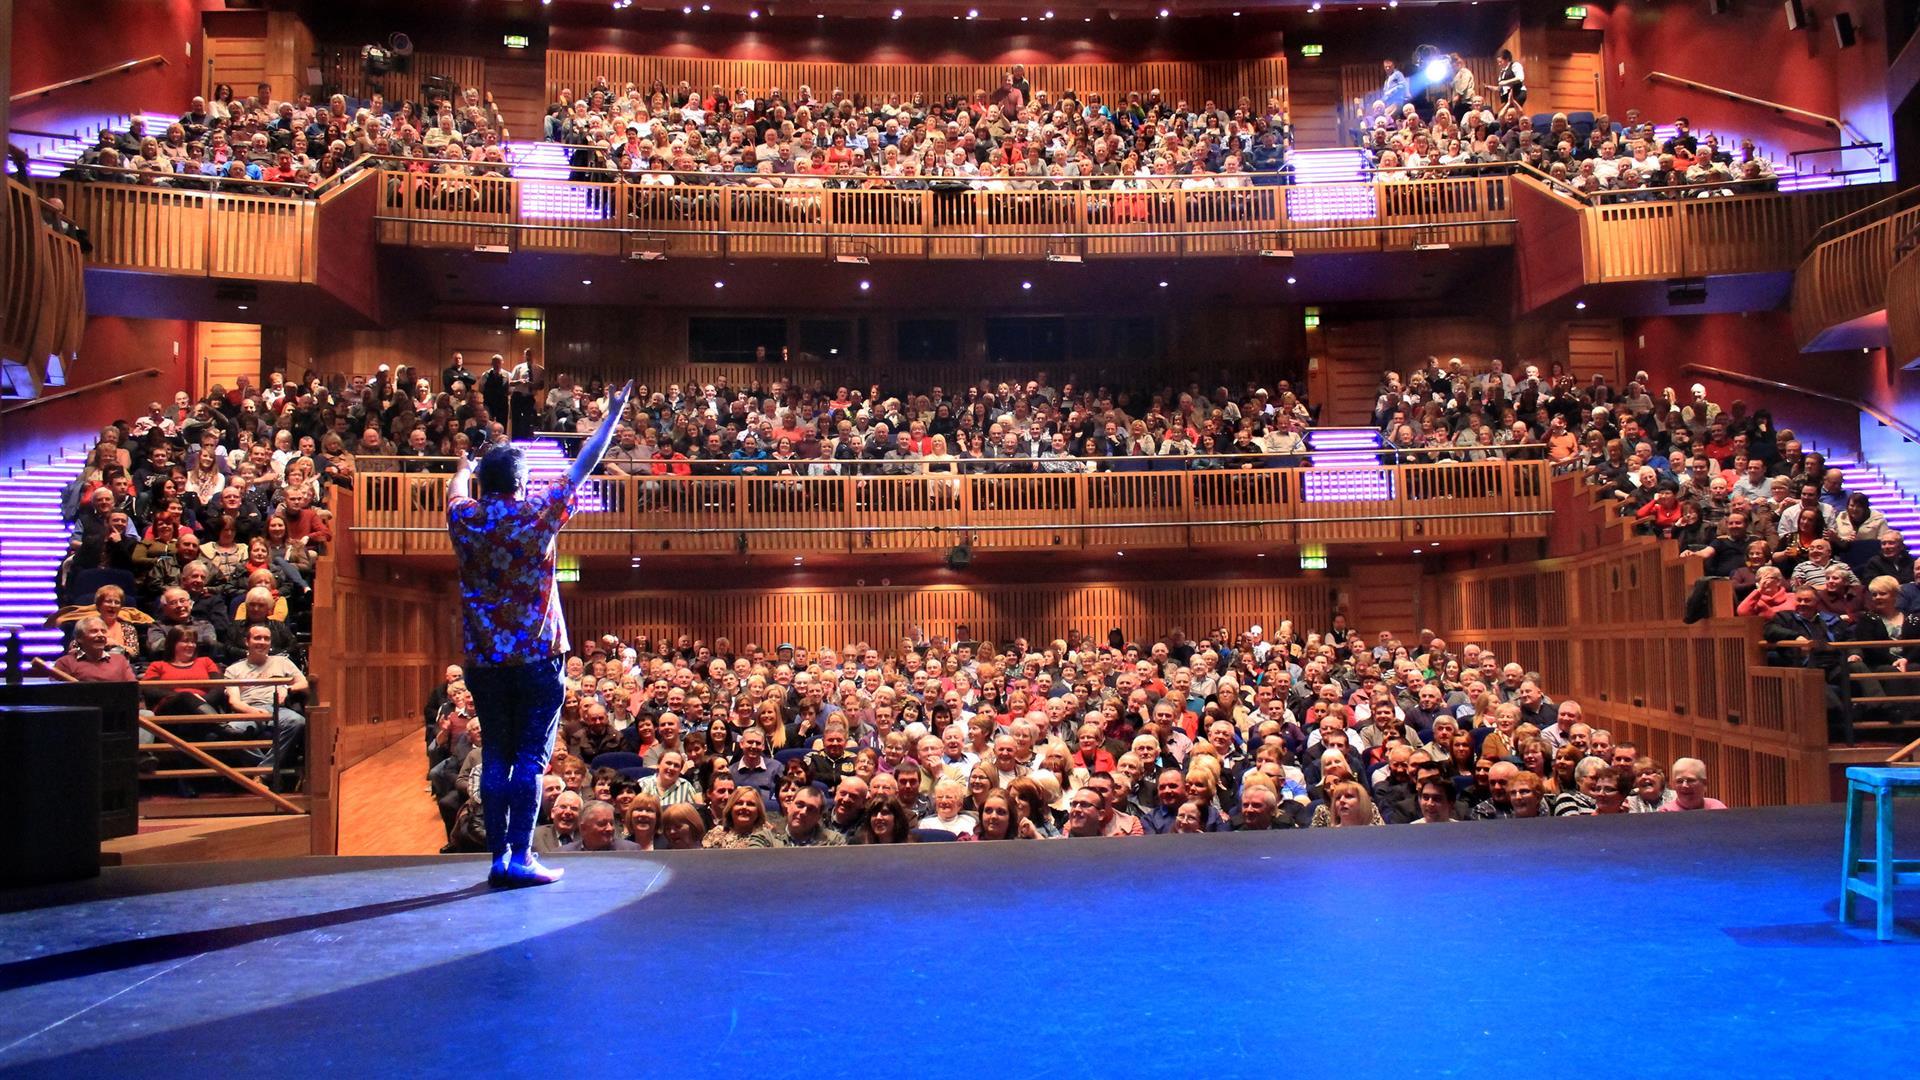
[1438, 70]
[960, 556]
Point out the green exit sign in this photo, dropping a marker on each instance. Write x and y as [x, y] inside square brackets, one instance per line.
[1311, 50]
[1312, 318]
[519, 41]
[1576, 11]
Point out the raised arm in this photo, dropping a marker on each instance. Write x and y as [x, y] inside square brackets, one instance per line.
[461, 486]
[596, 444]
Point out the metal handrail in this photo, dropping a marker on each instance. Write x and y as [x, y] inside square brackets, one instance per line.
[143, 373]
[82, 80]
[1835, 122]
[211, 185]
[1907, 431]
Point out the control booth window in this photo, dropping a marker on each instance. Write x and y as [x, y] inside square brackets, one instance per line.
[1039, 340]
[927, 341]
[828, 341]
[735, 341]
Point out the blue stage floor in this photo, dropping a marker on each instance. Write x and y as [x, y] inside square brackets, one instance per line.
[1656, 945]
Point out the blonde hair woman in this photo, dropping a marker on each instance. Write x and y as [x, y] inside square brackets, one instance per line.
[1347, 804]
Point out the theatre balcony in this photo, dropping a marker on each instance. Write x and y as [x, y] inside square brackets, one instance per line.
[1726, 247]
[1344, 498]
[211, 253]
[527, 239]
[1859, 279]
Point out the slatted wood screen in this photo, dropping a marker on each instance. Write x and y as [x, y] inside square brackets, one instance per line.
[344, 73]
[881, 615]
[1225, 81]
[1607, 628]
[1363, 81]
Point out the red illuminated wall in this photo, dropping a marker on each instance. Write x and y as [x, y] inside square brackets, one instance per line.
[1748, 50]
[56, 41]
[1761, 343]
[112, 346]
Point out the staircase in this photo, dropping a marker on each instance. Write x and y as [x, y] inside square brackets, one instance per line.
[33, 540]
[1330, 184]
[1346, 466]
[1900, 506]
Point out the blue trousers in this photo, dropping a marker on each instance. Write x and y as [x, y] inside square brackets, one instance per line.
[519, 707]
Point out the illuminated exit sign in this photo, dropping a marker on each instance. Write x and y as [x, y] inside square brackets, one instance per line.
[1577, 11]
[519, 41]
[1311, 50]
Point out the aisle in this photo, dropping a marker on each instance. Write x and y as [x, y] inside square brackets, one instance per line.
[384, 805]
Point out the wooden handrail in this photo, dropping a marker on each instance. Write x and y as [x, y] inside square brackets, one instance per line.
[82, 80]
[1906, 430]
[1833, 122]
[143, 373]
[1867, 215]
[177, 743]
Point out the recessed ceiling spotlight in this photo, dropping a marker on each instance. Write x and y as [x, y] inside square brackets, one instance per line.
[754, 14]
[719, 284]
[1292, 280]
[1163, 284]
[1026, 284]
[586, 281]
[896, 13]
[865, 285]
[973, 13]
[1579, 305]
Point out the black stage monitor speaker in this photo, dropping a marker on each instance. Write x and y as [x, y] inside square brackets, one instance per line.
[1843, 31]
[1796, 15]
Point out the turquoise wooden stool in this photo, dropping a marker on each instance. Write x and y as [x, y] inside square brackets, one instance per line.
[1875, 878]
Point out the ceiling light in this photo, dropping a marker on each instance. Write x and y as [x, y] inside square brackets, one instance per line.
[1023, 18]
[1026, 284]
[719, 284]
[1292, 280]
[1164, 13]
[586, 281]
[1048, 15]
[754, 14]
[242, 307]
[688, 10]
[503, 307]
[896, 13]
[973, 13]
[865, 285]
[1163, 284]
[819, 14]
[1579, 305]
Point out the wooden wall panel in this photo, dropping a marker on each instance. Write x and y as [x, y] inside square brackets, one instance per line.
[1347, 364]
[881, 615]
[1385, 597]
[228, 351]
[519, 90]
[1597, 347]
[427, 346]
[381, 639]
[238, 61]
[1225, 81]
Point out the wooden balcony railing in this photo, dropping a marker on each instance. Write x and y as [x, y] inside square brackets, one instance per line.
[1848, 275]
[178, 231]
[734, 220]
[1903, 301]
[405, 513]
[1700, 237]
[43, 297]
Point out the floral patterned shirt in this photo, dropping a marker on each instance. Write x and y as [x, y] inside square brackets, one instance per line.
[507, 549]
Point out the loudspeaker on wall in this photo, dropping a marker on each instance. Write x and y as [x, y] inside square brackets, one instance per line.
[1796, 15]
[1843, 31]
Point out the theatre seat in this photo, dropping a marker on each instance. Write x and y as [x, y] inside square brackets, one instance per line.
[789, 754]
[616, 759]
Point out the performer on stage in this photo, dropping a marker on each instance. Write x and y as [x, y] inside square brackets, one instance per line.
[516, 635]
